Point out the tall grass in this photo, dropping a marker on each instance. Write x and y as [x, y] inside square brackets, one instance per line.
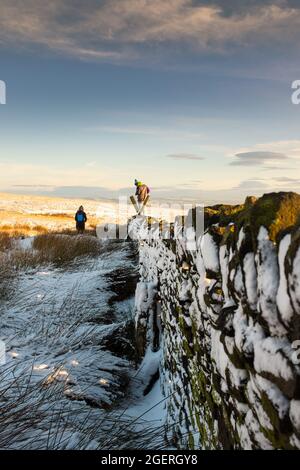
[52, 248]
[8, 276]
[22, 230]
[38, 411]
[7, 271]
[6, 242]
[58, 249]
[37, 416]
[61, 249]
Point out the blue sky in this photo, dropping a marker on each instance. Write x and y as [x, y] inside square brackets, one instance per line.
[193, 97]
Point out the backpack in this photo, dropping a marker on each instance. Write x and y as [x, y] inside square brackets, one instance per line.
[80, 217]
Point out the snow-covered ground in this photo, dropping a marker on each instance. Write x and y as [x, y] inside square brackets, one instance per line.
[149, 408]
[69, 359]
[58, 213]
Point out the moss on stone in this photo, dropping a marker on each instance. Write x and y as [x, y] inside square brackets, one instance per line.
[275, 211]
[281, 429]
[191, 441]
[221, 214]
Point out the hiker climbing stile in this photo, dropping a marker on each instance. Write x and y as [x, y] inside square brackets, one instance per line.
[142, 194]
[81, 219]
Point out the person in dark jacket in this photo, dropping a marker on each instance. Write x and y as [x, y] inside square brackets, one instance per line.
[81, 219]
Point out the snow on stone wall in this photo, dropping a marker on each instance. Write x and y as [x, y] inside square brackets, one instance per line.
[230, 320]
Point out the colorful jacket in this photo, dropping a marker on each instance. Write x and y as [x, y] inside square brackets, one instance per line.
[142, 192]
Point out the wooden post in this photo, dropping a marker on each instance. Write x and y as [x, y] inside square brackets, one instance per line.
[133, 201]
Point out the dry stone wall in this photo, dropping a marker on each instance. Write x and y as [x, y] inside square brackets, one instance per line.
[227, 319]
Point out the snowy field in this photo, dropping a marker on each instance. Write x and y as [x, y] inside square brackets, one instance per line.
[71, 380]
[34, 214]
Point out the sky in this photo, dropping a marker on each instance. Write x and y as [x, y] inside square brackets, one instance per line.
[192, 97]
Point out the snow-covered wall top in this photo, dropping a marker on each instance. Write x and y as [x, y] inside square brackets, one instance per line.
[227, 317]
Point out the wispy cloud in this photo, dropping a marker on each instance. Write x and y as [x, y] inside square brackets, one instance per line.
[269, 156]
[32, 186]
[14, 174]
[278, 168]
[257, 158]
[126, 130]
[290, 147]
[257, 185]
[184, 156]
[150, 131]
[287, 180]
[252, 184]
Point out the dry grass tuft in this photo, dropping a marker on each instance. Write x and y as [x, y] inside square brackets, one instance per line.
[7, 277]
[6, 242]
[7, 271]
[60, 249]
[56, 249]
[52, 249]
[73, 232]
[22, 230]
